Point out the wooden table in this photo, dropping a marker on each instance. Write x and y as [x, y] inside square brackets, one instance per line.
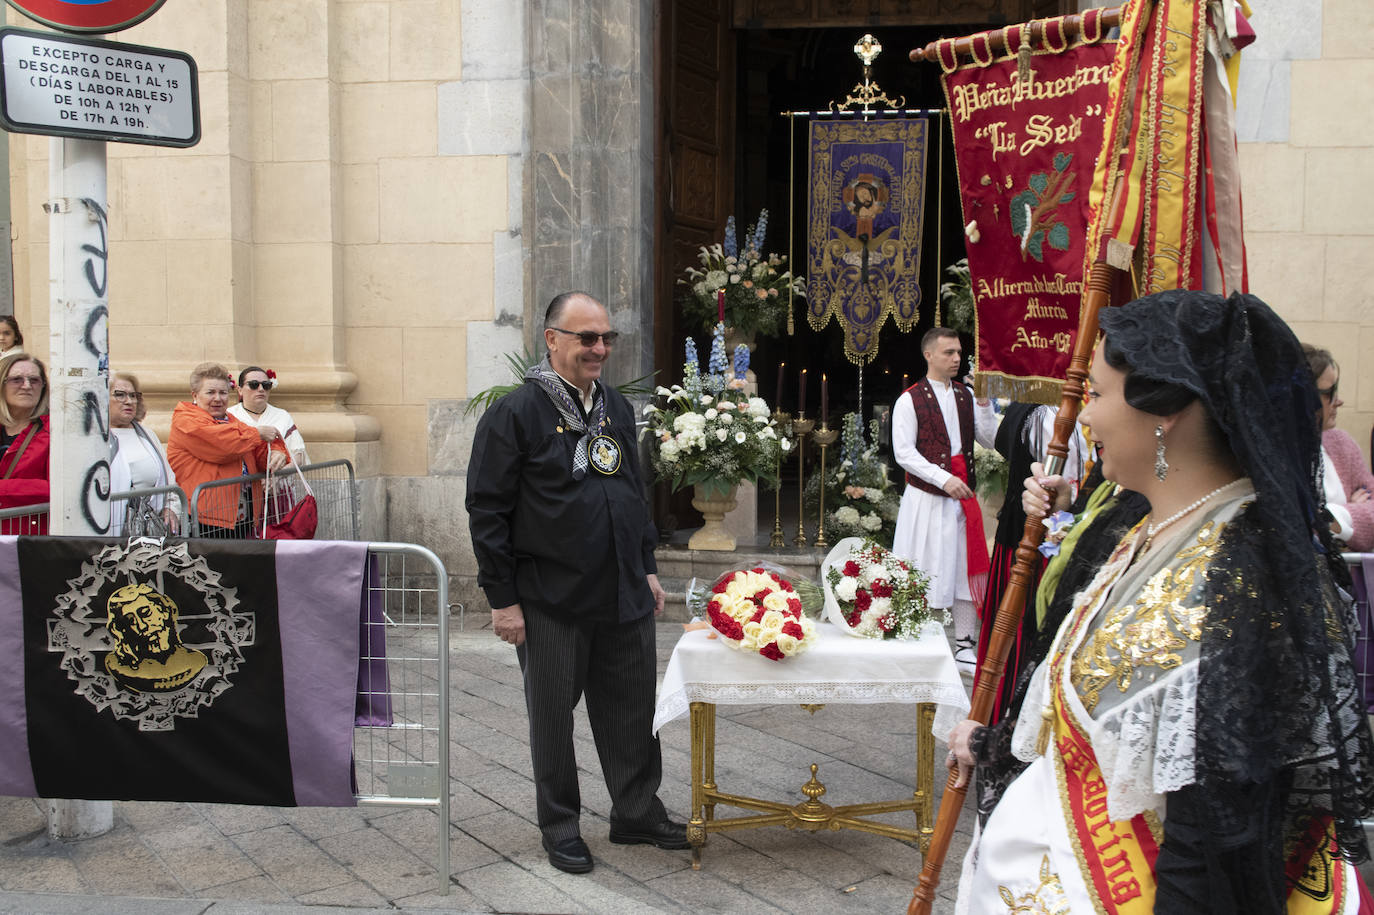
[839, 669]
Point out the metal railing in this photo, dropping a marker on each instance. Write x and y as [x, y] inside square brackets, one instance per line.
[136, 513]
[24, 519]
[219, 507]
[401, 726]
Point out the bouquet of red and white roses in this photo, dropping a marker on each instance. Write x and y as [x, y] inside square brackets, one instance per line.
[757, 610]
[872, 594]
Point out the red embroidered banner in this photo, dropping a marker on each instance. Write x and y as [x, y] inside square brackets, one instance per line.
[1025, 144]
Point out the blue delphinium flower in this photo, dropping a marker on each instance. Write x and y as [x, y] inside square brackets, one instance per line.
[741, 360]
[693, 361]
[718, 363]
[731, 245]
[760, 231]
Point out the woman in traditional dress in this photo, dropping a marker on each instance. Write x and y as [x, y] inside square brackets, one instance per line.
[1192, 738]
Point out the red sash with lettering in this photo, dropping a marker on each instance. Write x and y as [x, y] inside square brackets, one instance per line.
[1118, 857]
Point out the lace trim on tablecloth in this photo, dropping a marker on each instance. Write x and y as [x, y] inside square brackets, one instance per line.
[952, 704]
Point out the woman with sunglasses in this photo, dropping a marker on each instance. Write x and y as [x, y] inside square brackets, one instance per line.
[24, 441]
[1349, 486]
[137, 462]
[255, 385]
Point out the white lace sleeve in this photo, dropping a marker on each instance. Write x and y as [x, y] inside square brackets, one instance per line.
[1027, 732]
[1145, 746]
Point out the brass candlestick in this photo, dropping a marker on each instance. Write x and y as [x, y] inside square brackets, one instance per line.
[825, 437]
[801, 426]
[777, 540]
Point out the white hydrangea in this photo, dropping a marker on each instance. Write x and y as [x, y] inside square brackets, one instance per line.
[870, 521]
[689, 422]
[848, 516]
[758, 407]
[669, 450]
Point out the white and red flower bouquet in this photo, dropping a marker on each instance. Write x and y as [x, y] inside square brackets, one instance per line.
[758, 610]
[870, 593]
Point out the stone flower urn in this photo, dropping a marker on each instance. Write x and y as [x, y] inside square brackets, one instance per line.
[713, 501]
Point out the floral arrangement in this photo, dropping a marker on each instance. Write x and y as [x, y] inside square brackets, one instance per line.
[757, 610]
[872, 594]
[990, 469]
[756, 284]
[707, 431]
[861, 501]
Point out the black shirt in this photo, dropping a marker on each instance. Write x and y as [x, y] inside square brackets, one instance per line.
[579, 548]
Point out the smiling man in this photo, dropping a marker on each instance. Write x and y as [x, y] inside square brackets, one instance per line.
[564, 548]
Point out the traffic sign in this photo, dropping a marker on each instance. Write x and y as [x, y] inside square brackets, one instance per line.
[87, 15]
[62, 86]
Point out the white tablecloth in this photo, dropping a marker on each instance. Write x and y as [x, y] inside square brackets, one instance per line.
[838, 669]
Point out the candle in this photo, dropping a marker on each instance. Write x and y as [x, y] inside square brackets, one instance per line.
[825, 400]
[720, 304]
[801, 396]
[777, 404]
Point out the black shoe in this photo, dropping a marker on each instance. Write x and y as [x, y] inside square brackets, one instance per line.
[569, 855]
[664, 834]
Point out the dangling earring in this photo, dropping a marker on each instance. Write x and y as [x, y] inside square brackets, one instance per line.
[1161, 466]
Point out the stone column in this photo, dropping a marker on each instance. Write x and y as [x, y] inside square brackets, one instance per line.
[590, 168]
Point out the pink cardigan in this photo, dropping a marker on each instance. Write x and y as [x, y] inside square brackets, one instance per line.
[1354, 473]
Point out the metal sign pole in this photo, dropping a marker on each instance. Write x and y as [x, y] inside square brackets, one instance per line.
[79, 393]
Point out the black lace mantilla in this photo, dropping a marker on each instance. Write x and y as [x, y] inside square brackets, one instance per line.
[1276, 691]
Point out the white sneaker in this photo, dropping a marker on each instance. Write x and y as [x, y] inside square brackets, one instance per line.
[966, 655]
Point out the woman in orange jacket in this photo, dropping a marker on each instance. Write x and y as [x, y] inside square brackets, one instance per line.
[208, 444]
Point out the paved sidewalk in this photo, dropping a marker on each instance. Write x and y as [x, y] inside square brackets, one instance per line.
[194, 858]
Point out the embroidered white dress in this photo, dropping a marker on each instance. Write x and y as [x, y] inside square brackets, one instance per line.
[1129, 683]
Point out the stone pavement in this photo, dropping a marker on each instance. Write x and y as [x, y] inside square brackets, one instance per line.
[208, 858]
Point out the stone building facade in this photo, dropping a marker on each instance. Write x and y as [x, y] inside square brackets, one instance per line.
[387, 191]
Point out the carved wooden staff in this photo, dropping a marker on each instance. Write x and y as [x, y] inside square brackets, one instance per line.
[1013, 603]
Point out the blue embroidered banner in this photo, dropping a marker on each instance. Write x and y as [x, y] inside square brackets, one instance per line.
[866, 201]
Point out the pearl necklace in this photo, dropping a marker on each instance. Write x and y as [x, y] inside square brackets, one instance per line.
[1153, 528]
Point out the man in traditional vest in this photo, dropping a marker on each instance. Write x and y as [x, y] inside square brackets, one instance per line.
[940, 526]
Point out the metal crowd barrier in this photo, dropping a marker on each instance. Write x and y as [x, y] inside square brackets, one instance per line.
[215, 506]
[401, 731]
[133, 513]
[24, 519]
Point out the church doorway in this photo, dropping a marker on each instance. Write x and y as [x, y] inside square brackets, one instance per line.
[726, 70]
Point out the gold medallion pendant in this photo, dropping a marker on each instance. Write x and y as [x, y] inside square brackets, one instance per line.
[604, 454]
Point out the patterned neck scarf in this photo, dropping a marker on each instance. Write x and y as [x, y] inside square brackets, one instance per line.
[554, 386]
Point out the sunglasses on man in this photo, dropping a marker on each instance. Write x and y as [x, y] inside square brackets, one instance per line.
[588, 338]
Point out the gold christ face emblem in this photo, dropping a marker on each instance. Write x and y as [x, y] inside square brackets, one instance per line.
[604, 454]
